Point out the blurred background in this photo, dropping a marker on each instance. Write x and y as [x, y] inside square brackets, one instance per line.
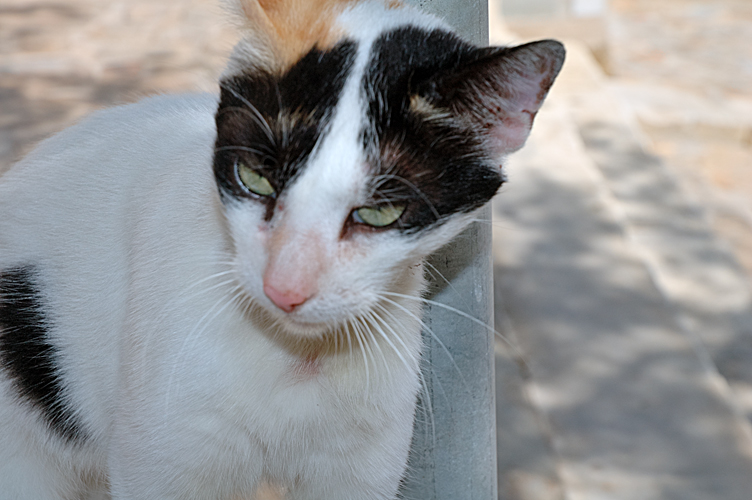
[622, 243]
[623, 256]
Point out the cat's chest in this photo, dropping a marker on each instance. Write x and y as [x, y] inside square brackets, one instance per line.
[279, 387]
[305, 369]
[270, 379]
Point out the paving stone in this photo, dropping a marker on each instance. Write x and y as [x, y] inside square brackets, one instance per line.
[633, 410]
[60, 60]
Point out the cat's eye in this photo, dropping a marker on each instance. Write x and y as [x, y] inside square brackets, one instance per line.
[255, 182]
[378, 216]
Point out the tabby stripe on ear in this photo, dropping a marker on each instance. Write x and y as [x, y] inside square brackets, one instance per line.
[27, 355]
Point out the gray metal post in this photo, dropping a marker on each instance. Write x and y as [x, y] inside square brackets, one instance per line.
[453, 454]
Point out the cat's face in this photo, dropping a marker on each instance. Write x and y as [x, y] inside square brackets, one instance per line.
[340, 170]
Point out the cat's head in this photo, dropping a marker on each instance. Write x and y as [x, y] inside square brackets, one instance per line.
[355, 138]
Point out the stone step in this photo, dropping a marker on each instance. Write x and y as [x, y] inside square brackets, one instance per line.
[691, 265]
[601, 266]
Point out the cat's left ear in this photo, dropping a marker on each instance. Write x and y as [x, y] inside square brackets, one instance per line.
[500, 90]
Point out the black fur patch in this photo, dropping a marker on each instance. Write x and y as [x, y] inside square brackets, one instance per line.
[272, 122]
[26, 354]
[438, 167]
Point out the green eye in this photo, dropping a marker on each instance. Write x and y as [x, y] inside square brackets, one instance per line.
[378, 216]
[255, 182]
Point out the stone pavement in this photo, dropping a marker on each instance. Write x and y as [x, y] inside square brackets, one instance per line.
[624, 300]
[62, 59]
[684, 67]
[620, 251]
[633, 320]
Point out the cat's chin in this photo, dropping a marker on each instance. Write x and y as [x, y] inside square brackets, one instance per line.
[302, 328]
[297, 327]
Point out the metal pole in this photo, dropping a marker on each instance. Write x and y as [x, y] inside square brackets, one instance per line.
[453, 453]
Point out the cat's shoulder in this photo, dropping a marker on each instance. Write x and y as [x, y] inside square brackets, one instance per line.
[156, 106]
[151, 114]
[152, 127]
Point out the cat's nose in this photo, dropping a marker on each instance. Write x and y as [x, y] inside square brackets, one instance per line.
[286, 300]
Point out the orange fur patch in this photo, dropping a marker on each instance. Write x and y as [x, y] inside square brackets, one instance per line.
[293, 27]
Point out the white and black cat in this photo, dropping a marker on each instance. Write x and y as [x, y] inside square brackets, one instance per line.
[202, 293]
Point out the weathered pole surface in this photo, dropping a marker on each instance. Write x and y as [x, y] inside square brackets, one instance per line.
[453, 454]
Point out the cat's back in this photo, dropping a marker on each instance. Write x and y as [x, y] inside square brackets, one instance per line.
[130, 138]
[72, 214]
[83, 184]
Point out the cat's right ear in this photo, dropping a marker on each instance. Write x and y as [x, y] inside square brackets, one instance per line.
[500, 90]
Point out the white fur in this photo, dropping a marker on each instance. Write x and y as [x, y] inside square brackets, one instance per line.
[187, 390]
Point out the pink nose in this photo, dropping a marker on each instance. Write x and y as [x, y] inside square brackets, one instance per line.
[287, 300]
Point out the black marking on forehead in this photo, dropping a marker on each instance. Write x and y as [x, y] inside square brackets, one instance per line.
[26, 354]
[272, 122]
[439, 167]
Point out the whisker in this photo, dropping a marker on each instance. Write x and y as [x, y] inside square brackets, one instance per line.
[198, 329]
[377, 345]
[372, 317]
[516, 351]
[449, 283]
[336, 333]
[463, 314]
[183, 296]
[413, 187]
[442, 390]
[396, 336]
[254, 112]
[365, 331]
[433, 335]
[494, 223]
[348, 336]
[245, 149]
[356, 330]
[427, 407]
[181, 299]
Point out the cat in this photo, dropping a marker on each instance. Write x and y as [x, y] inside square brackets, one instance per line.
[203, 293]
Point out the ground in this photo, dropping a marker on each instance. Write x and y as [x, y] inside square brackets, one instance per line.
[619, 391]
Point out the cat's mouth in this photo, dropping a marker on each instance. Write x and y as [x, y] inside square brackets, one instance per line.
[306, 319]
[293, 323]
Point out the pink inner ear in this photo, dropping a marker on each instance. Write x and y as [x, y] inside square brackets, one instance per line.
[512, 116]
[509, 133]
[504, 90]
